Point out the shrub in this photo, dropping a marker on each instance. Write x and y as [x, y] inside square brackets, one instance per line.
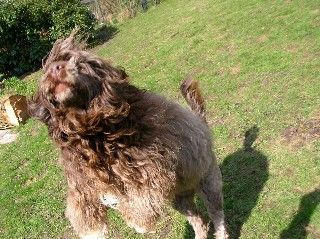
[29, 27]
[118, 10]
[68, 14]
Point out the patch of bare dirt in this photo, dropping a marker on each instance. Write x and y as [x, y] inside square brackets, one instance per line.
[302, 133]
[288, 172]
[262, 38]
[163, 229]
[235, 69]
[228, 49]
[68, 234]
[269, 204]
[215, 122]
[292, 48]
[221, 71]
[313, 231]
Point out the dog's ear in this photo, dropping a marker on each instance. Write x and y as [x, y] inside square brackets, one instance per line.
[38, 110]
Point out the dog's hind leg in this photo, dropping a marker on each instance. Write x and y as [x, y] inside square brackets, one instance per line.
[211, 193]
[86, 215]
[185, 205]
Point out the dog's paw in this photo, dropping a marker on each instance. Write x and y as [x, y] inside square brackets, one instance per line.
[93, 236]
[221, 233]
[140, 229]
[100, 234]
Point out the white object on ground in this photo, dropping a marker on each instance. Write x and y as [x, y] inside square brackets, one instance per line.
[7, 136]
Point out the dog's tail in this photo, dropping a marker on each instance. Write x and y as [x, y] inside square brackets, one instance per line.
[191, 92]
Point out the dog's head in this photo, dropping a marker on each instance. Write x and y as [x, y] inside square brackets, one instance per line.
[73, 79]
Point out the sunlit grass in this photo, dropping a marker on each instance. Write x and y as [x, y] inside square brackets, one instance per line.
[258, 63]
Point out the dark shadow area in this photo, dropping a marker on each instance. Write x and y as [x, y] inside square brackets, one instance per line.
[102, 35]
[244, 175]
[298, 226]
[188, 232]
[144, 4]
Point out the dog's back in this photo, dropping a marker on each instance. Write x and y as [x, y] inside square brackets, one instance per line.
[196, 168]
[185, 132]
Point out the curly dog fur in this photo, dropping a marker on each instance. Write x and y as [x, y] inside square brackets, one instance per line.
[124, 148]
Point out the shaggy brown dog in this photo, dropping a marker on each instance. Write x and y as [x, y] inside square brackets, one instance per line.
[125, 148]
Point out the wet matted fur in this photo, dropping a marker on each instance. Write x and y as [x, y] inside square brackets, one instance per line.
[125, 148]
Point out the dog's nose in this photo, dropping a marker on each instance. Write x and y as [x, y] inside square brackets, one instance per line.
[55, 70]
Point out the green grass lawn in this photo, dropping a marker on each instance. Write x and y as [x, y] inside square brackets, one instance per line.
[258, 63]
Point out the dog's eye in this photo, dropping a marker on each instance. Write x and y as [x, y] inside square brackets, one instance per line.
[63, 137]
[54, 103]
[82, 68]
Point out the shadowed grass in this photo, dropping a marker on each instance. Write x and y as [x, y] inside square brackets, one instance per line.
[258, 63]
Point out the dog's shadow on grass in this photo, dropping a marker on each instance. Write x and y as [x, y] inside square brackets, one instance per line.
[298, 226]
[102, 34]
[244, 175]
